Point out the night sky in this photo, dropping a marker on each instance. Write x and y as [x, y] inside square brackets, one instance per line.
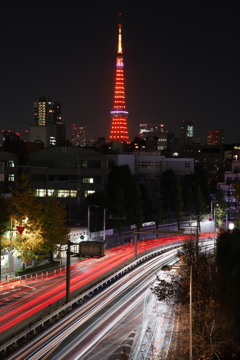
[181, 63]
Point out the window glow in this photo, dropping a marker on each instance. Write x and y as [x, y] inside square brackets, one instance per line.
[10, 177]
[40, 192]
[87, 180]
[10, 163]
[63, 193]
[88, 192]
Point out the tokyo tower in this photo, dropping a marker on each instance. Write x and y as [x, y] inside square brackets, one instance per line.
[119, 114]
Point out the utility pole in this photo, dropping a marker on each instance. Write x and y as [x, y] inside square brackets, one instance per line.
[69, 243]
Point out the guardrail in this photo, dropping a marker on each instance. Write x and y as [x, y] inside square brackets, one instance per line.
[36, 275]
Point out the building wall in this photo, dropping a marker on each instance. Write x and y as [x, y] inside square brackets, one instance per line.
[8, 166]
[180, 166]
[40, 134]
[230, 177]
[148, 164]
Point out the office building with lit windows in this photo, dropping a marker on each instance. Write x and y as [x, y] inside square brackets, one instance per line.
[48, 126]
[155, 131]
[215, 137]
[187, 132]
[78, 135]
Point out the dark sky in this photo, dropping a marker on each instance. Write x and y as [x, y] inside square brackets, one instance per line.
[181, 63]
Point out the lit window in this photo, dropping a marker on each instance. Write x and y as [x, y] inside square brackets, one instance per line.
[10, 177]
[88, 192]
[63, 193]
[40, 192]
[88, 180]
[10, 163]
[73, 193]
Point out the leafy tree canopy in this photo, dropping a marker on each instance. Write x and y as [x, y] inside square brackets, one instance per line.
[54, 230]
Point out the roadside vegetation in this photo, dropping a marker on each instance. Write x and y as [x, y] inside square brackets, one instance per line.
[43, 223]
[215, 299]
[167, 197]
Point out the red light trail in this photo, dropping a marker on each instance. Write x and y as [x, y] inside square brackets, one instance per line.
[82, 273]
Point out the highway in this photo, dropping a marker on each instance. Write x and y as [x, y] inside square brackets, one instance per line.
[20, 303]
[89, 331]
[23, 302]
[124, 314]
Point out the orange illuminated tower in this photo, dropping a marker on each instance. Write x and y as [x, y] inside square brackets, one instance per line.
[119, 114]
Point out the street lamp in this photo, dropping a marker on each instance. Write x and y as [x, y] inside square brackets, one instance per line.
[89, 232]
[168, 268]
[231, 226]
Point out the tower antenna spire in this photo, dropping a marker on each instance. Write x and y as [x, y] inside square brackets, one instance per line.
[119, 35]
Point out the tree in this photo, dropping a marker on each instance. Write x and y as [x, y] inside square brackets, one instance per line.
[200, 209]
[158, 206]
[220, 198]
[54, 230]
[236, 187]
[169, 187]
[178, 206]
[118, 209]
[201, 178]
[4, 220]
[124, 194]
[192, 184]
[99, 201]
[26, 211]
[228, 250]
[4, 215]
[187, 185]
[212, 330]
[227, 261]
[137, 206]
[219, 214]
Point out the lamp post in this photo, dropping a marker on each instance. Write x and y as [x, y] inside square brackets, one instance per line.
[168, 268]
[104, 224]
[68, 271]
[89, 231]
[190, 314]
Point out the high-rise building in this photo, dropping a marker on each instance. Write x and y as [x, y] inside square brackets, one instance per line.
[78, 135]
[147, 130]
[215, 137]
[47, 112]
[187, 132]
[48, 126]
[155, 131]
[119, 114]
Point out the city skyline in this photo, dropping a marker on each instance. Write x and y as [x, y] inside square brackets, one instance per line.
[180, 64]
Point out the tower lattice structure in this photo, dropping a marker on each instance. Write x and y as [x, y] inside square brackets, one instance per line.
[119, 114]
